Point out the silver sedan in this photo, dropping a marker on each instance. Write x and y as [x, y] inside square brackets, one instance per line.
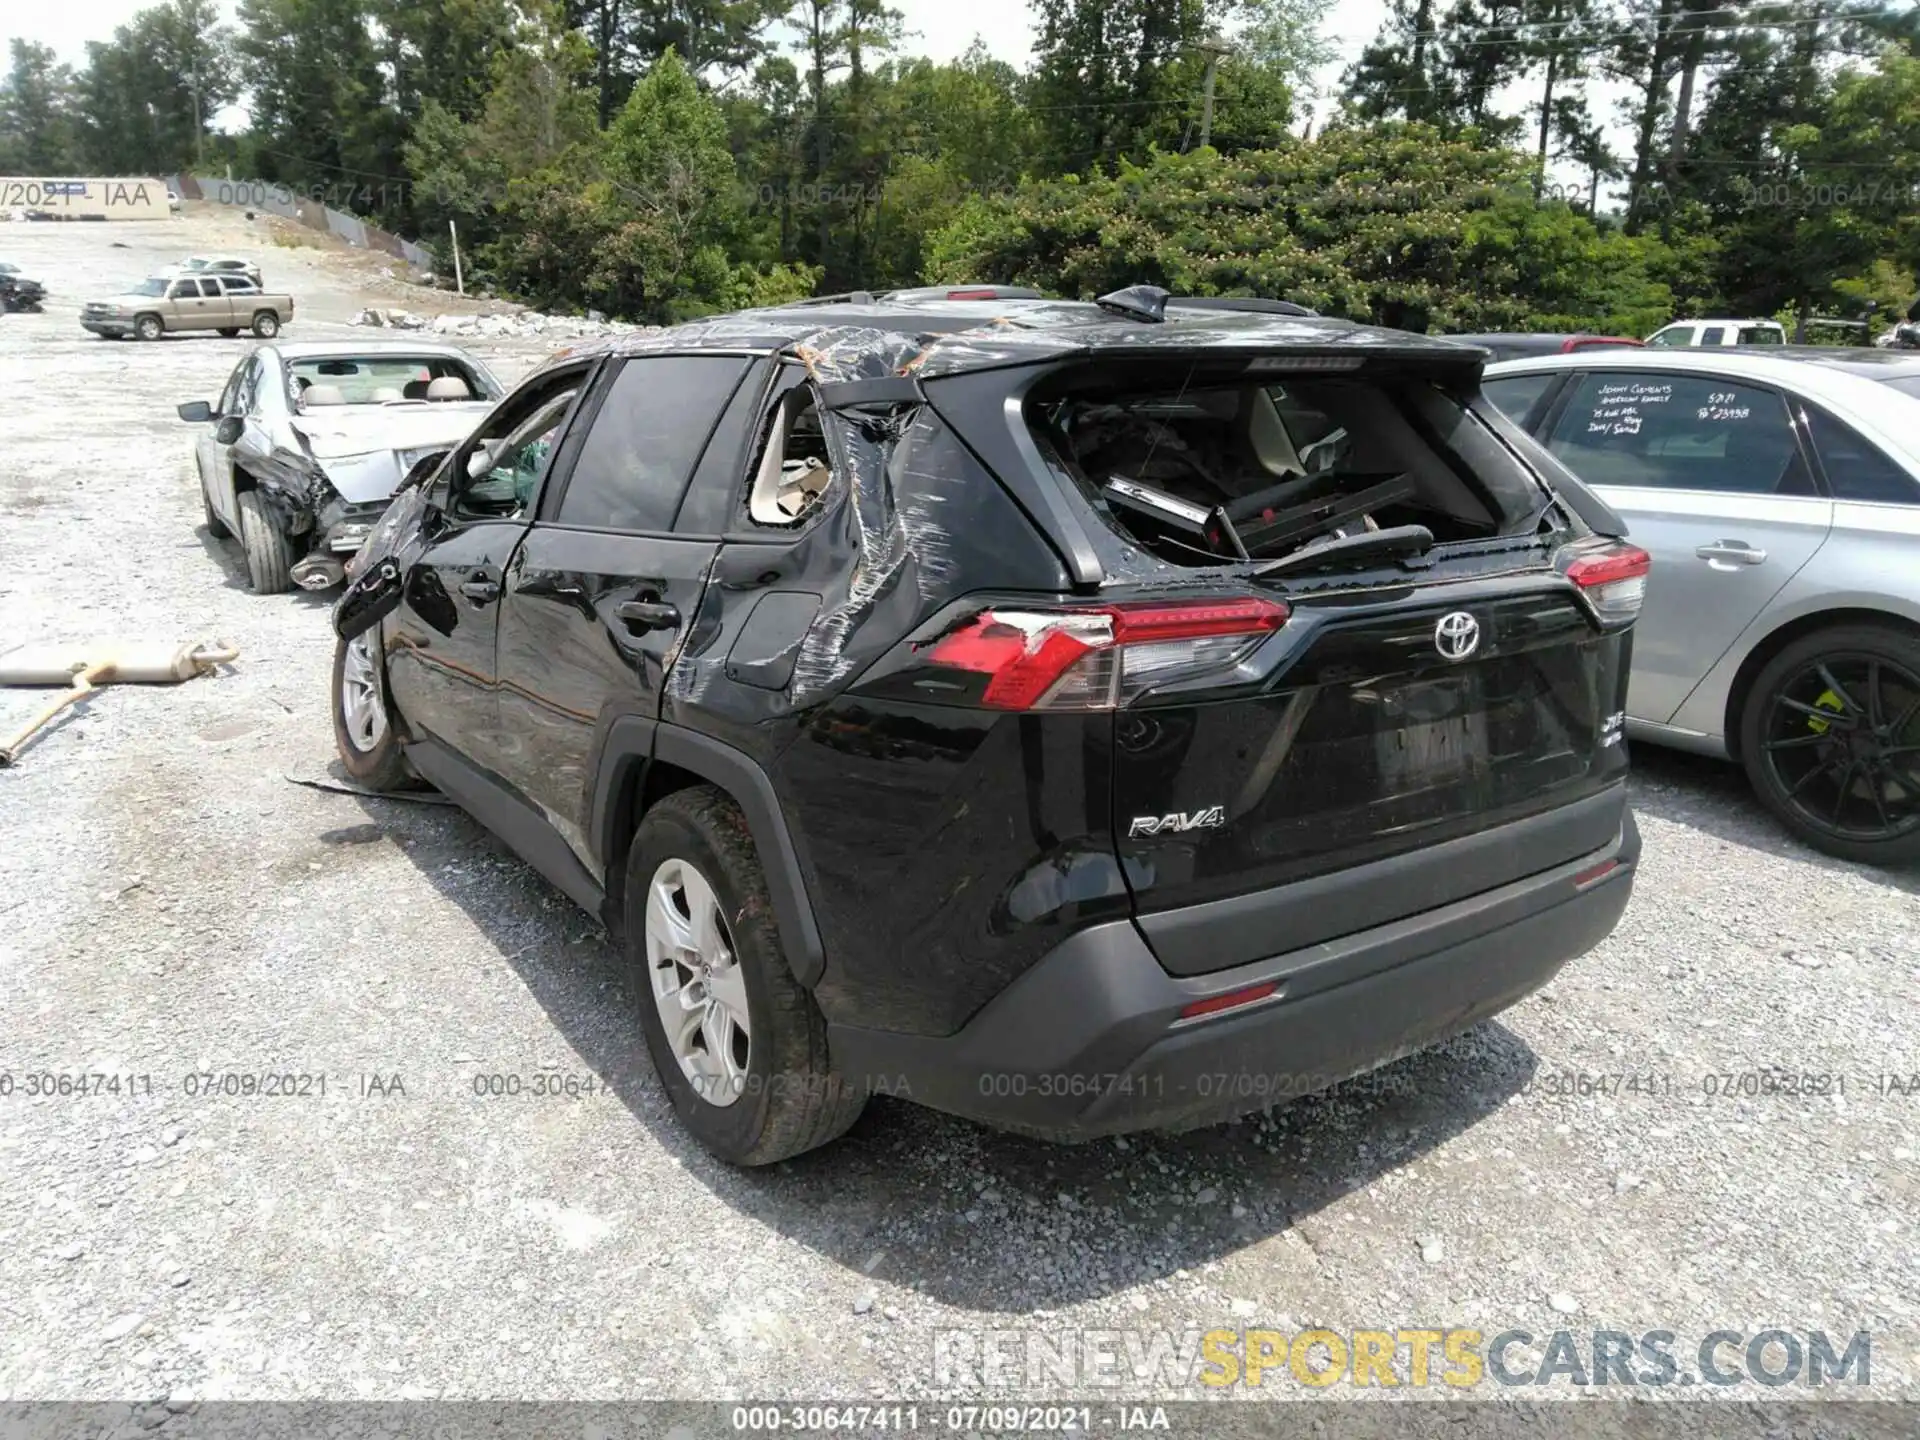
[306, 445]
[1779, 495]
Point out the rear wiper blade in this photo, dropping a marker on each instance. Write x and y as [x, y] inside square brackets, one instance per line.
[1403, 541]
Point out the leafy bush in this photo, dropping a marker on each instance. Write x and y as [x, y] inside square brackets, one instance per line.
[1396, 224]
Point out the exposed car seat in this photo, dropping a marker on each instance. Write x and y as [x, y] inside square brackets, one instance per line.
[385, 395]
[1267, 435]
[318, 395]
[448, 387]
[415, 390]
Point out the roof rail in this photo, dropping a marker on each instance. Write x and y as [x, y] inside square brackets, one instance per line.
[965, 290]
[1240, 302]
[984, 290]
[850, 297]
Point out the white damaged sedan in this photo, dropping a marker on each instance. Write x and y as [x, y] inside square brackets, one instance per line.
[307, 444]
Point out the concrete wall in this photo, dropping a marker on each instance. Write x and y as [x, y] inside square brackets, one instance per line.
[135, 198]
[288, 203]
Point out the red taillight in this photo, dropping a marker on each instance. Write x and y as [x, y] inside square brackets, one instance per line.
[973, 294]
[1597, 873]
[1096, 658]
[1214, 1004]
[1613, 579]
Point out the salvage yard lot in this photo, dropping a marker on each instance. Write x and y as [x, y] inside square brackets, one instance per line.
[409, 1215]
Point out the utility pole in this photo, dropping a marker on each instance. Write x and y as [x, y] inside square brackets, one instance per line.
[1213, 47]
[199, 122]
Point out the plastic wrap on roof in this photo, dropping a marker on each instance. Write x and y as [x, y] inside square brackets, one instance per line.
[848, 353]
[936, 338]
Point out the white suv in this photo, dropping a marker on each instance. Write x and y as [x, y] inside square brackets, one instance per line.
[1720, 332]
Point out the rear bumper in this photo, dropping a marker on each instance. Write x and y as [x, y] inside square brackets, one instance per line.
[1090, 1042]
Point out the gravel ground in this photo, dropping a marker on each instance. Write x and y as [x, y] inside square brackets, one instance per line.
[171, 906]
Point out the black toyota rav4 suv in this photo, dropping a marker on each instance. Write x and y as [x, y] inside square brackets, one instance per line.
[1079, 717]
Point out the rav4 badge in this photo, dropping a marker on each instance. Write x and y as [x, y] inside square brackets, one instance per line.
[1178, 823]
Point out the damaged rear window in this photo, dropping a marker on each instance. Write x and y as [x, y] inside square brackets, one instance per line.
[1205, 470]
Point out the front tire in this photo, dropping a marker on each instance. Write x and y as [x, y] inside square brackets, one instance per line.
[1830, 738]
[149, 327]
[363, 718]
[269, 556]
[738, 1043]
[266, 324]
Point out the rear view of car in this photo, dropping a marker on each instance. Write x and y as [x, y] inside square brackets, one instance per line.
[1096, 722]
[1354, 683]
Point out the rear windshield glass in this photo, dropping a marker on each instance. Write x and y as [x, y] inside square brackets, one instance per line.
[1200, 473]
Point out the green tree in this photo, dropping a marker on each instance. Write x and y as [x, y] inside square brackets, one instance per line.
[767, 132]
[1483, 46]
[535, 131]
[1560, 39]
[1112, 77]
[147, 97]
[317, 96]
[673, 201]
[37, 133]
[442, 52]
[1399, 75]
[1858, 171]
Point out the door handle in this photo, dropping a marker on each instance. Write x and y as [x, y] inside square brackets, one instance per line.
[481, 591]
[641, 615]
[1736, 552]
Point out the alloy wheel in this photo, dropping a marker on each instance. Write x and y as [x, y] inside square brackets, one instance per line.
[363, 708]
[698, 988]
[1841, 741]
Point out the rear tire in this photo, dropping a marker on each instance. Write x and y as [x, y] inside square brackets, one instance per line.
[364, 731]
[766, 1089]
[269, 556]
[266, 324]
[216, 527]
[1849, 785]
[149, 327]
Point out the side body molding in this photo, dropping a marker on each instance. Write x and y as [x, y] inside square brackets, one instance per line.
[632, 743]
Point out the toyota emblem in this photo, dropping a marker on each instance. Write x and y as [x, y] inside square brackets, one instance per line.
[1456, 636]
